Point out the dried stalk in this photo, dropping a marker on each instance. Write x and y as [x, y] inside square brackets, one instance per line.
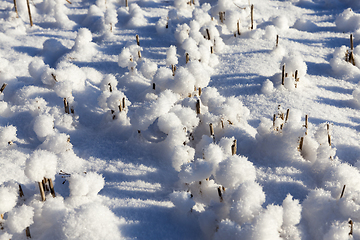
[126, 3]
[252, 16]
[342, 192]
[42, 193]
[351, 58]
[29, 11]
[187, 57]
[296, 76]
[66, 106]
[137, 40]
[51, 185]
[277, 40]
[301, 143]
[208, 34]
[110, 87]
[220, 194]
[351, 42]
[198, 107]
[154, 86]
[287, 115]
[351, 227]
[3, 88]
[21, 193]
[233, 148]
[199, 91]
[173, 68]
[306, 123]
[283, 75]
[211, 129]
[15, 7]
[274, 119]
[27, 232]
[45, 186]
[238, 27]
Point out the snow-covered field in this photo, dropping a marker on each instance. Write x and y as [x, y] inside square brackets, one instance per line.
[177, 119]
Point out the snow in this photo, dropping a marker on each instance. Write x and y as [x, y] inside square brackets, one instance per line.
[194, 132]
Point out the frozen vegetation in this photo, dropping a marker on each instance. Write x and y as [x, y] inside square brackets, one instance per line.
[199, 119]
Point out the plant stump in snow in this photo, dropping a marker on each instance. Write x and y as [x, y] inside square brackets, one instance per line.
[27, 232]
[3, 88]
[137, 40]
[351, 227]
[42, 192]
[198, 106]
[233, 148]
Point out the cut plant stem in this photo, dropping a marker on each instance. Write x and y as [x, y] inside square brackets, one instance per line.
[69, 2]
[211, 49]
[211, 129]
[351, 58]
[44, 182]
[27, 232]
[199, 91]
[220, 194]
[66, 106]
[42, 193]
[51, 185]
[21, 193]
[342, 192]
[139, 54]
[187, 57]
[296, 75]
[120, 108]
[222, 16]
[238, 27]
[233, 148]
[274, 119]
[198, 106]
[283, 75]
[351, 227]
[15, 7]
[287, 115]
[126, 3]
[54, 77]
[208, 34]
[154, 86]
[351, 42]
[173, 68]
[252, 17]
[3, 88]
[123, 103]
[301, 143]
[137, 40]
[277, 40]
[306, 123]
[29, 11]
[110, 87]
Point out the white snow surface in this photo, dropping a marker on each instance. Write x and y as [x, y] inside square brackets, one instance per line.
[209, 127]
